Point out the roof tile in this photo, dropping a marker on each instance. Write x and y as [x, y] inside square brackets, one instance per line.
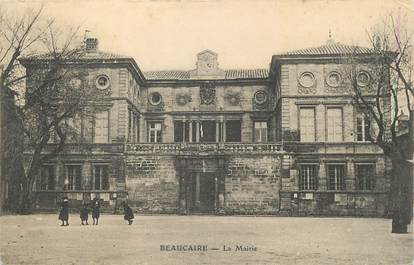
[332, 48]
[229, 74]
[82, 55]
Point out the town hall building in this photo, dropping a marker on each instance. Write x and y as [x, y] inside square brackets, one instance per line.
[285, 140]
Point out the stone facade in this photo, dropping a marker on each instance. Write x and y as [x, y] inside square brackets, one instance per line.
[253, 185]
[218, 141]
[152, 183]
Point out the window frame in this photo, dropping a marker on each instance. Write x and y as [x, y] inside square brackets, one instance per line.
[101, 177]
[158, 133]
[49, 179]
[315, 177]
[366, 128]
[327, 120]
[329, 179]
[94, 127]
[255, 140]
[76, 182]
[227, 131]
[300, 122]
[372, 175]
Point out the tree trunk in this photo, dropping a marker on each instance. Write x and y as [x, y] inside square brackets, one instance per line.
[12, 151]
[401, 195]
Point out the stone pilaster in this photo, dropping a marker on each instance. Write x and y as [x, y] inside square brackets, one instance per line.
[322, 180]
[350, 175]
[87, 176]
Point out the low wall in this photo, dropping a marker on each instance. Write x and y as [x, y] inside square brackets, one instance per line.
[326, 203]
[252, 185]
[152, 184]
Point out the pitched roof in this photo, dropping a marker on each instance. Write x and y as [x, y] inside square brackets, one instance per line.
[328, 49]
[167, 75]
[207, 51]
[229, 74]
[81, 55]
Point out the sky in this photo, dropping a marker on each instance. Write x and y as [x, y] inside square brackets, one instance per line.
[245, 34]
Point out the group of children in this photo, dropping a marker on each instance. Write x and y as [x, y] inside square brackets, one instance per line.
[85, 209]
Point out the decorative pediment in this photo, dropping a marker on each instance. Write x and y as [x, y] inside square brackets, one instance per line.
[207, 66]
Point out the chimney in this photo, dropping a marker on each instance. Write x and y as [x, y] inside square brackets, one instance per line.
[91, 44]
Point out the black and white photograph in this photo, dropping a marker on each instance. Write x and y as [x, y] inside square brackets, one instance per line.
[186, 132]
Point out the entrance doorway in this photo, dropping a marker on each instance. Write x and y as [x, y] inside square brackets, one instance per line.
[201, 185]
[201, 192]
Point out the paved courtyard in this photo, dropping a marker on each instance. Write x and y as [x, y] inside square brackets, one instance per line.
[38, 239]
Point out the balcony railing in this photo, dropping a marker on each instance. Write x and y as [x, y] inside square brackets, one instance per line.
[203, 148]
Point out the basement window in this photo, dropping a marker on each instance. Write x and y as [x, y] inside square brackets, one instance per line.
[308, 177]
[365, 176]
[101, 180]
[47, 177]
[336, 177]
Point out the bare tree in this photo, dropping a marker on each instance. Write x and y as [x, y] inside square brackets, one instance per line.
[40, 103]
[390, 70]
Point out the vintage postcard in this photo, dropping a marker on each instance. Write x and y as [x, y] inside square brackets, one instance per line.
[206, 132]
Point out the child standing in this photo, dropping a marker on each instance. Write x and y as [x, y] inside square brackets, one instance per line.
[128, 214]
[95, 211]
[84, 213]
[64, 211]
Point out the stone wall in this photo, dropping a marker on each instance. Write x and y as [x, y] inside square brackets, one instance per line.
[252, 185]
[50, 199]
[347, 202]
[152, 184]
[324, 203]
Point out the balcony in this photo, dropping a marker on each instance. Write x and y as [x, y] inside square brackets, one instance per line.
[331, 147]
[85, 148]
[203, 148]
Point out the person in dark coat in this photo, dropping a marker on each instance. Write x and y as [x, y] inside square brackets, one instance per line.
[128, 214]
[64, 211]
[84, 213]
[95, 211]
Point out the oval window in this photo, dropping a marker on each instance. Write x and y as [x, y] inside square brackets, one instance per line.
[363, 79]
[155, 98]
[260, 97]
[102, 82]
[307, 80]
[334, 79]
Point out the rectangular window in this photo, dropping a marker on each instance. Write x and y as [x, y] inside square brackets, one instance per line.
[134, 126]
[307, 124]
[336, 177]
[365, 176]
[87, 127]
[137, 129]
[74, 125]
[101, 179]
[233, 131]
[334, 124]
[260, 131]
[47, 178]
[363, 129]
[208, 131]
[178, 131]
[129, 125]
[101, 127]
[308, 177]
[73, 177]
[154, 132]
